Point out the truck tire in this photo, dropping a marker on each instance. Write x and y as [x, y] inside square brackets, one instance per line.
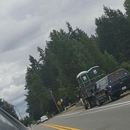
[85, 107]
[110, 97]
[98, 103]
[92, 102]
[86, 104]
[89, 104]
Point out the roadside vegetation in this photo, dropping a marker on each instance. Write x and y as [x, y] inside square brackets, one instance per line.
[68, 53]
[8, 108]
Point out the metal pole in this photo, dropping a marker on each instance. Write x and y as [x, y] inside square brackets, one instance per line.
[19, 114]
[54, 100]
[61, 107]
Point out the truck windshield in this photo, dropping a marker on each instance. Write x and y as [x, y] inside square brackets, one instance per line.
[117, 75]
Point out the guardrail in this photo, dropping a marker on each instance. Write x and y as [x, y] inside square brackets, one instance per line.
[66, 108]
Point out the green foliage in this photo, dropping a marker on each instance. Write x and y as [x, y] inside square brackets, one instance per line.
[65, 55]
[127, 8]
[26, 121]
[37, 94]
[113, 32]
[8, 108]
[110, 62]
[125, 65]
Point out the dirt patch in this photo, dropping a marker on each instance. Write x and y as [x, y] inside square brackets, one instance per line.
[125, 93]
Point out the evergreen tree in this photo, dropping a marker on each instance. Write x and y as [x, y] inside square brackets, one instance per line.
[8, 108]
[65, 55]
[113, 31]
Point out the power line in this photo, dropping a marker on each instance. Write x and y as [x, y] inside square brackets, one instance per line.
[38, 96]
[20, 114]
[54, 100]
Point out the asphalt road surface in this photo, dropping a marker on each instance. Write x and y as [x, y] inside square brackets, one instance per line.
[111, 116]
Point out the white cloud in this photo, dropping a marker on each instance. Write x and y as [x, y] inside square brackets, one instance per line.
[15, 34]
[26, 24]
[13, 94]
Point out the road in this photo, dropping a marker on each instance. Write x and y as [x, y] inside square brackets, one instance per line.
[111, 116]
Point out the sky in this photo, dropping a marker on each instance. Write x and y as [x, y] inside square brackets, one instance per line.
[26, 24]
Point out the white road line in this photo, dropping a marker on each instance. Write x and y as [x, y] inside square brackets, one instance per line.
[98, 109]
[70, 114]
[91, 112]
[107, 106]
[115, 104]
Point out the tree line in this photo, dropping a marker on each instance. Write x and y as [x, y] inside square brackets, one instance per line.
[8, 108]
[68, 53]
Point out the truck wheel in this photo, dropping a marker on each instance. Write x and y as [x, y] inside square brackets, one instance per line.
[85, 104]
[89, 105]
[85, 107]
[110, 98]
[92, 102]
[98, 103]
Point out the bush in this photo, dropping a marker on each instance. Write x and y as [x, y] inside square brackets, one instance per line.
[125, 65]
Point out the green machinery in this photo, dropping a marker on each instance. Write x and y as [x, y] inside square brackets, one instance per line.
[86, 80]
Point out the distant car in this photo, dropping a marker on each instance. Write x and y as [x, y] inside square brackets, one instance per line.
[44, 118]
[8, 122]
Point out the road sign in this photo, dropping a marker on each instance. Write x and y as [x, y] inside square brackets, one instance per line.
[59, 103]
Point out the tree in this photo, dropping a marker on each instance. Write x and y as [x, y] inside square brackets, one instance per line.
[66, 54]
[26, 121]
[110, 62]
[113, 31]
[8, 108]
[125, 65]
[127, 8]
[71, 53]
[37, 94]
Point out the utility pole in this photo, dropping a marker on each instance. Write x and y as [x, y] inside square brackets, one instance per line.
[54, 100]
[19, 114]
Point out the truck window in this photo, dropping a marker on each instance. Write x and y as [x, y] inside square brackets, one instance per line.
[97, 85]
[79, 81]
[84, 78]
[117, 75]
[95, 71]
[103, 82]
